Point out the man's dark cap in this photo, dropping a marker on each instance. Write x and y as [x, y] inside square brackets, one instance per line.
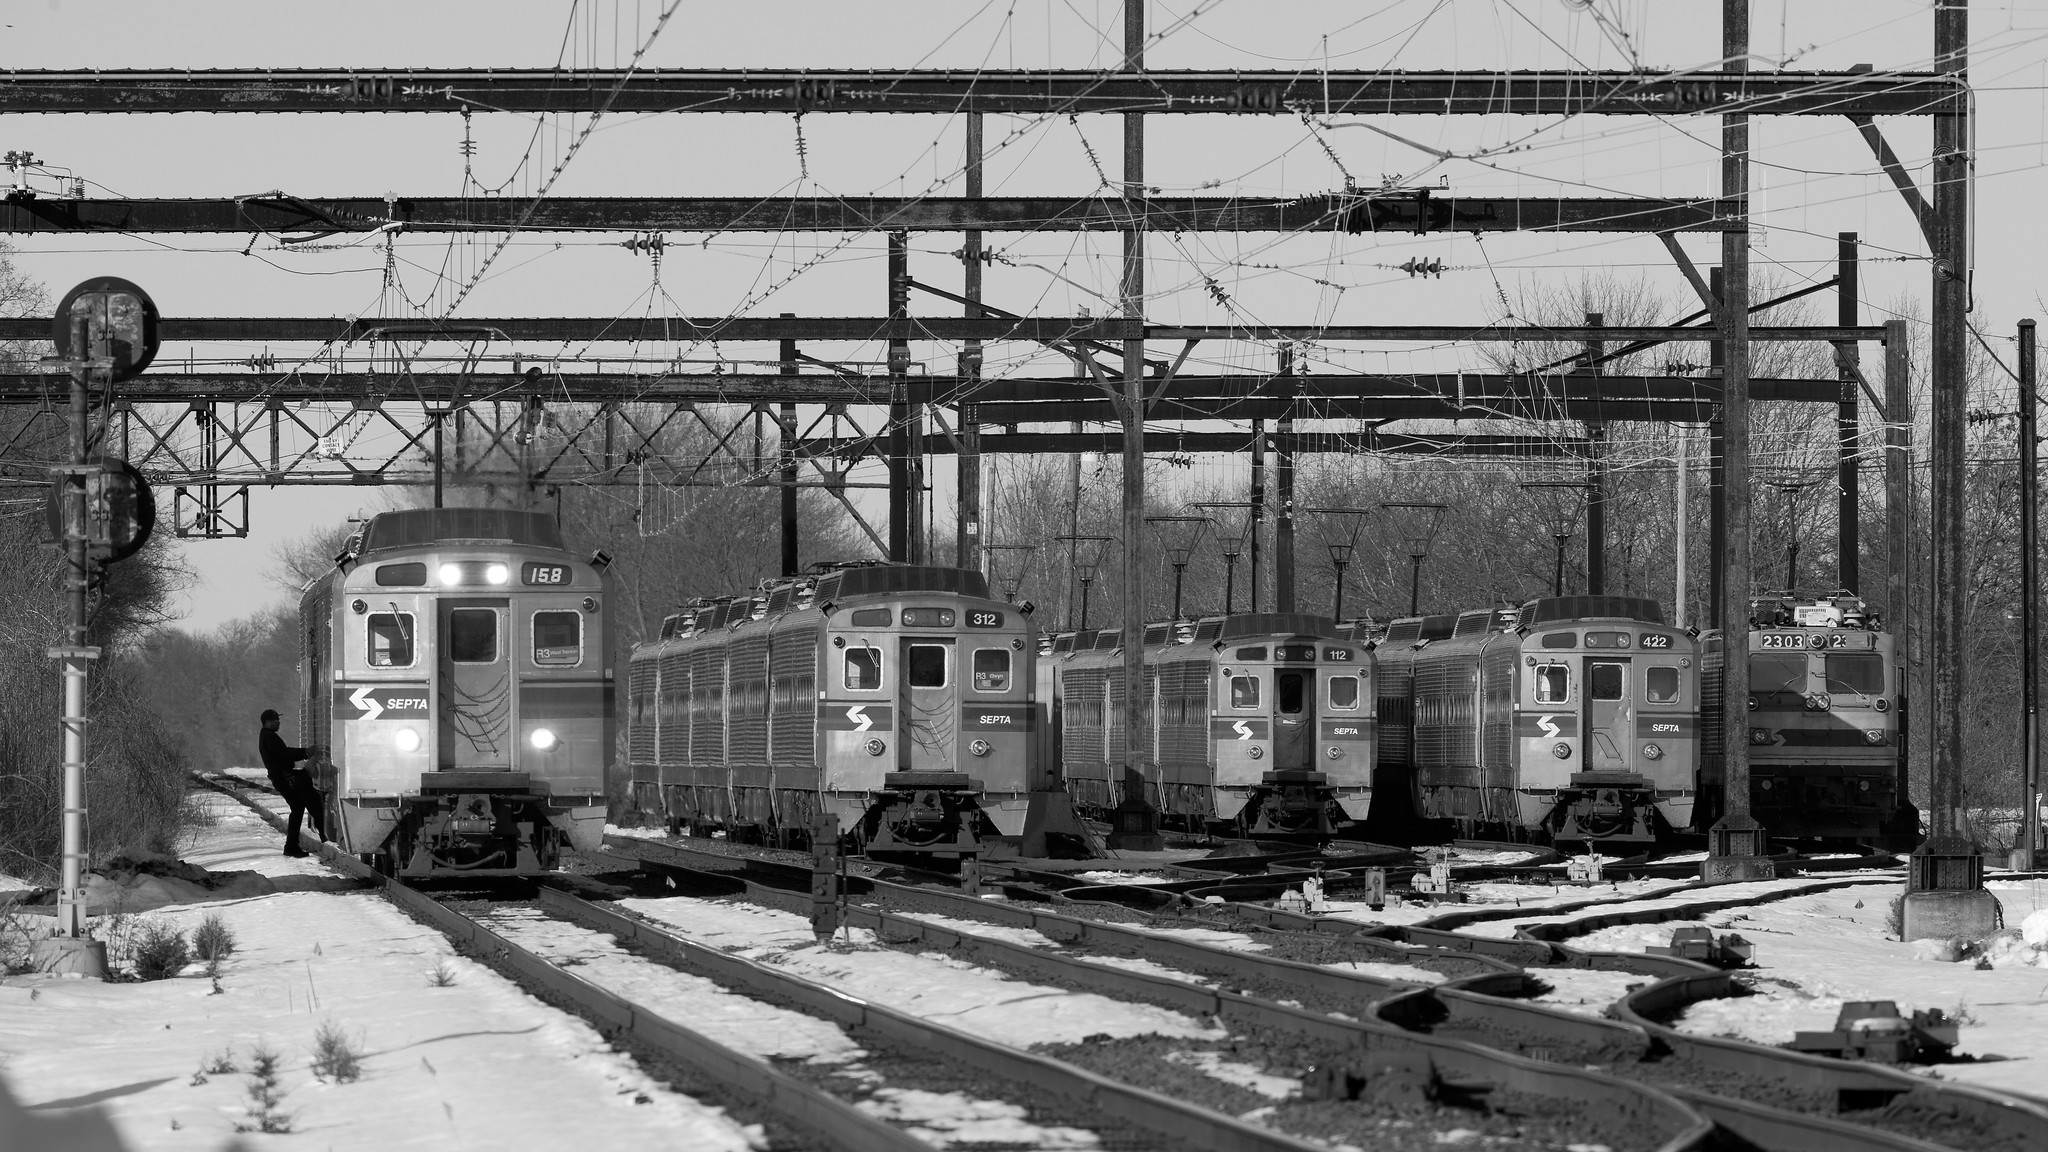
[268, 714]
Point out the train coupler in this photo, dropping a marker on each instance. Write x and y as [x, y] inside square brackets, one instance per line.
[1606, 806]
[1296, 802]
[930, 814]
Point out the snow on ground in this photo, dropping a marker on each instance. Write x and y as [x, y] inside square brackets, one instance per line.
[1651, 900]
[1147, 967]
[1243, 1075]
[1496, 893]
[951, 1118]
[1214, 938]
[636, 833]
[1009, 934]
[1585, 990]
[932, 986]
[1493, 857]
[443, 1067]
[1383, 970]
[1816, 951]
[1123, 878]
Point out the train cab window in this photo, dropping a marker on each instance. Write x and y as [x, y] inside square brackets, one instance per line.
[1774, 674]
[557, 638]
[1660, 685]
[1553, 683]
[1244, 691]
[1292, 687]
[925, 665]
[390, 640]
[1861, 672]
[1344, 692]
[991, 669]
[1606, 681]
[412, 575]
[473, 635]
[873, 617]
[1258, 653]
[864, 669]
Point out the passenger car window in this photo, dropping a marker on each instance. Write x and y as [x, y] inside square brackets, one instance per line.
[991, 669]
[864, 669]
[1244, 691]
[1606, 681]
[473, 635]
[390, 640]
[1660, 685]
[557, 637]
[1344, 692]
[1553, 683]
[926, 666]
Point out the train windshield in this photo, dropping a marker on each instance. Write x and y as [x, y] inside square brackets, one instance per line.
[1861, 672]
[1606, 681]
[991, 669]
[1778, 674]
[926, 666]
[390, 640]
[1344, 692]
[1291, 692]
[1553, 684]
[473, 635]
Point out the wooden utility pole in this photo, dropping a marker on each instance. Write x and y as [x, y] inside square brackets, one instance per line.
[1848, 536]
[1283, 476]
[902, 505]
[1596, 476]
[1736, 848]
[1900, 619]
[2030, 615]
[1717, 472]
[967, 539]
[786, 423]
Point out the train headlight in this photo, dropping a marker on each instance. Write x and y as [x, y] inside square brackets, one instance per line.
[1763, 785]
[981, 748]
[451, 573]
[1822, 701]
[1561, 750]
[1759, 735]
[874, 746]
[1256, 752]
[1863, 785]
[1872, 736]
[1752, 703]
[496, 574]
[358, 607]
[1884, 706]
[1653, 752]
[407, 740]
[1335, 753]
[542, 739]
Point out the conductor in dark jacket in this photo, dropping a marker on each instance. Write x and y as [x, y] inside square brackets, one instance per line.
[292, 783]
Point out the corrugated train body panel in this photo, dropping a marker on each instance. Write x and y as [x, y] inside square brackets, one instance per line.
[456, 671]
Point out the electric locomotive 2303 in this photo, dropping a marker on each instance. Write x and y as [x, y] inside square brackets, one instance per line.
[456, 666]
[1261, 722]
[896, 697]
[1827, 722]
[1576, 718]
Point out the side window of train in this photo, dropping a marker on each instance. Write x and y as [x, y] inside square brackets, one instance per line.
[1660, 685]
[1344, 692]
[1244, 691]
[864, 669]
[390, 640]
[1553, 683]
[925, 665]
[1606, 680]
[991, 669]
[473, 635]
[557, 638]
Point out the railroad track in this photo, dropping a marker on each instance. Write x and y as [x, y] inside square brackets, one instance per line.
[1475, 1008]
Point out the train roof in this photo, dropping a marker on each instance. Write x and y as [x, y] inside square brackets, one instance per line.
[882, 579]
[1565, 609]
[419, 527]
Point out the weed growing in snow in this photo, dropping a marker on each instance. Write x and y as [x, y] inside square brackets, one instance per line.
[335, 1057]
[18, 936]
[219, 1064]
[441, 975]
[160, 951]
[263, 1112]
[213, 941]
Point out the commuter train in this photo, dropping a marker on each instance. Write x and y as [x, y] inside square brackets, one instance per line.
[897, 698]
[1573, 719]
[1394, 646]
[1254, 722]
[1827, 723]
[456, 668]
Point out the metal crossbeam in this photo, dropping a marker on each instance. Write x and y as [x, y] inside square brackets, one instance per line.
[656, 329]
[1404, 212]
[1188, 397]
[1110, 443]
[1056, 92]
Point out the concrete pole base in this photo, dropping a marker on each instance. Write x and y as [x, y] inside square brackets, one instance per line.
[1935, 914]
[67, 956]
[2021, 860]
[1737, 869]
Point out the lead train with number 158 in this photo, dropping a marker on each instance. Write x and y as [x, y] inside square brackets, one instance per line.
[456, 666]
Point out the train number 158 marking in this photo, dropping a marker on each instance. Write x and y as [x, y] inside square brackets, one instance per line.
[546, 574]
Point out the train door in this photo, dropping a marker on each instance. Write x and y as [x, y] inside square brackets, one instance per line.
[475, 675]
[1609, 716]
[929, 699]
[1294, 719]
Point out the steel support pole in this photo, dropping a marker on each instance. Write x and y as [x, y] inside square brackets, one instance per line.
[1848, 422]
[1900, 618]
[1283, 459]
[436, 417]
[1735, 843]
[791, 563]
[967, 538]
[1137, 821]
[1258, 500]
[901, 515]
[1717, 474]
[1681, 525]
[1596, 477]
[2030, 615]
[77, 578]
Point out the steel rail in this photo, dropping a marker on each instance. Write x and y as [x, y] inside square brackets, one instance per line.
[1026, 91]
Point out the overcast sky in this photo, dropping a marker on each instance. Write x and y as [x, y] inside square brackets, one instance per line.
[1814, 175]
